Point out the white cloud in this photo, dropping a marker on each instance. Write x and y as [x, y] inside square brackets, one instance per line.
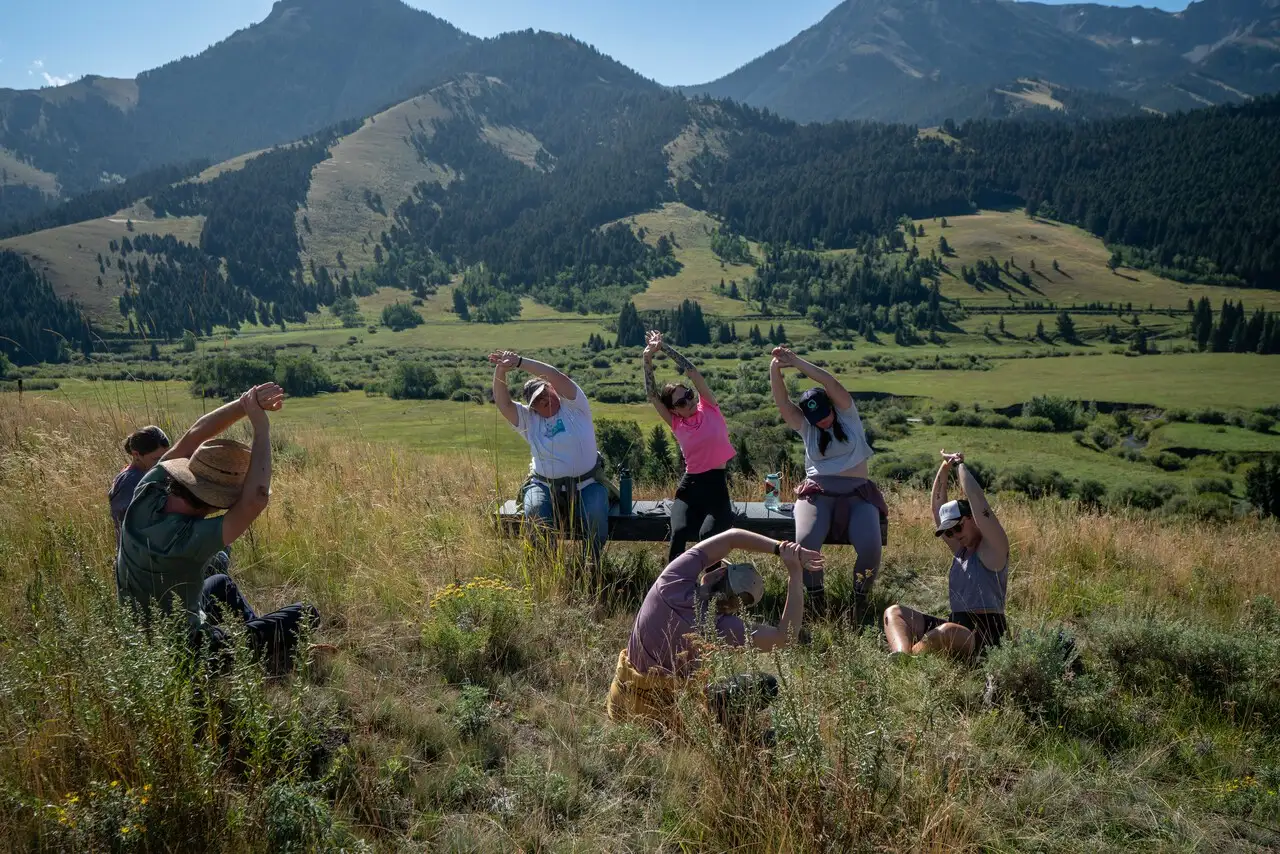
[38, 64]
[56, 81]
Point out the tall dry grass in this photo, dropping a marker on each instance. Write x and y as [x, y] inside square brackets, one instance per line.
[378, 748]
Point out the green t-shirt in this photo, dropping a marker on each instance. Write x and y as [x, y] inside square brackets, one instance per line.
[162, 555]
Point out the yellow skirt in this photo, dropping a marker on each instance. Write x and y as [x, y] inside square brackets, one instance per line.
[650, 697]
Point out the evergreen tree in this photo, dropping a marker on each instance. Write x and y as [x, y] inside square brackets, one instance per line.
[1262, 487]
[630, 329]
[658, 465]
[460, 307]
[1066, 327]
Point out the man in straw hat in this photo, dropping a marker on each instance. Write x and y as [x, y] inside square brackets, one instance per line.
[978, 581]
[170, 531]
[566, 479]
[699, 590]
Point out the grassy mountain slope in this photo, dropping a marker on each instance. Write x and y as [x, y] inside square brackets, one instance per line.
[69, 256]
[355, 193]
[309, 64]
[14, 171]
[1083, 277]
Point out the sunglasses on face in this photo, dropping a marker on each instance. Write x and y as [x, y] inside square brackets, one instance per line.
[684, 400]
[953, 530]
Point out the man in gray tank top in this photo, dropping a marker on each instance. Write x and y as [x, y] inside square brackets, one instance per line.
[978, 580]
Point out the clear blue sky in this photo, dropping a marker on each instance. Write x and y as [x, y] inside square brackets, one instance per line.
[45, 42]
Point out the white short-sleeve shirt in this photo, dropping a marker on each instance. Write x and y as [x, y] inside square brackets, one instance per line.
[563, 445]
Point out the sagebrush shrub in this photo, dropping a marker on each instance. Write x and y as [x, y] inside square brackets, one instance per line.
[479, 627]
[1028, 670]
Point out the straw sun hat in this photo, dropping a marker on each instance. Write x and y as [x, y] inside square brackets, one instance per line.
[215, 473]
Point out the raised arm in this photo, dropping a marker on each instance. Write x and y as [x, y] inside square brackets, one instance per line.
[791, 413]
[652, 345]
[687, 367]
[503, 362]
[994, 538]
[940, 483]
[215, 423]
[839, 395]
[765, 638]
[257, 483]
[718, 547]
[559, 381]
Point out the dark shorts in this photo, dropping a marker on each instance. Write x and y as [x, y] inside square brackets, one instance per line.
[988, 629]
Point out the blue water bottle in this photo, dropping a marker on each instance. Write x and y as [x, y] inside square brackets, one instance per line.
[624, 492]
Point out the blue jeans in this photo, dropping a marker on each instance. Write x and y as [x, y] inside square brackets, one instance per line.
[590, 509]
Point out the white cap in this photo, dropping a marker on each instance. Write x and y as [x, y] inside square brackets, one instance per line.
[744, 580]
[950, 514]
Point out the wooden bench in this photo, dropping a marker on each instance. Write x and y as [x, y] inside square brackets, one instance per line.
[650, 521]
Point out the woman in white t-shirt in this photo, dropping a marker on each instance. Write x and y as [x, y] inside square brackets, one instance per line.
[555, 419]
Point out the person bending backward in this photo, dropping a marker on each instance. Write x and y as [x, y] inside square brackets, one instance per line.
[566, 476]
[699, 589]
[837, 502]
[169, 531]
[144, 447]
[703, 437]
[978, 581]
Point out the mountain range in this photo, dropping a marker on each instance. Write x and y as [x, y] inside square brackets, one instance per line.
[387, 148]
[312, 63]
[927, 60]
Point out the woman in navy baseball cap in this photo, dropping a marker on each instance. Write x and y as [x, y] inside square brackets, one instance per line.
[837, 503]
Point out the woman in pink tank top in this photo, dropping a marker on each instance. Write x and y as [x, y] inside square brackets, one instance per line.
[703, 437]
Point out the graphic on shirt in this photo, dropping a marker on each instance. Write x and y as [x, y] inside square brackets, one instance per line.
[550, 430]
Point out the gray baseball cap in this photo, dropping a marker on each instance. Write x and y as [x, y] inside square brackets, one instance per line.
[950, 515]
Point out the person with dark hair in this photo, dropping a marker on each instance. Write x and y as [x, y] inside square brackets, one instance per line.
[566, 475]
[144, 447]
[169, 531]
[699, 591]
[979, 577]
[703, 436]
[837, 502]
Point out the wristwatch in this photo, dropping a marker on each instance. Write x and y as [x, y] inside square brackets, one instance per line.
[777, 548]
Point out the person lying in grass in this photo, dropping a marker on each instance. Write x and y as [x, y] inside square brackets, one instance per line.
[169, 531]
[979, 575]
[703, 436]
[566, 478]
[699, 590]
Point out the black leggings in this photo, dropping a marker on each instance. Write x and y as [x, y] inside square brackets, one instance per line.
[698, 497]
[274, 635]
